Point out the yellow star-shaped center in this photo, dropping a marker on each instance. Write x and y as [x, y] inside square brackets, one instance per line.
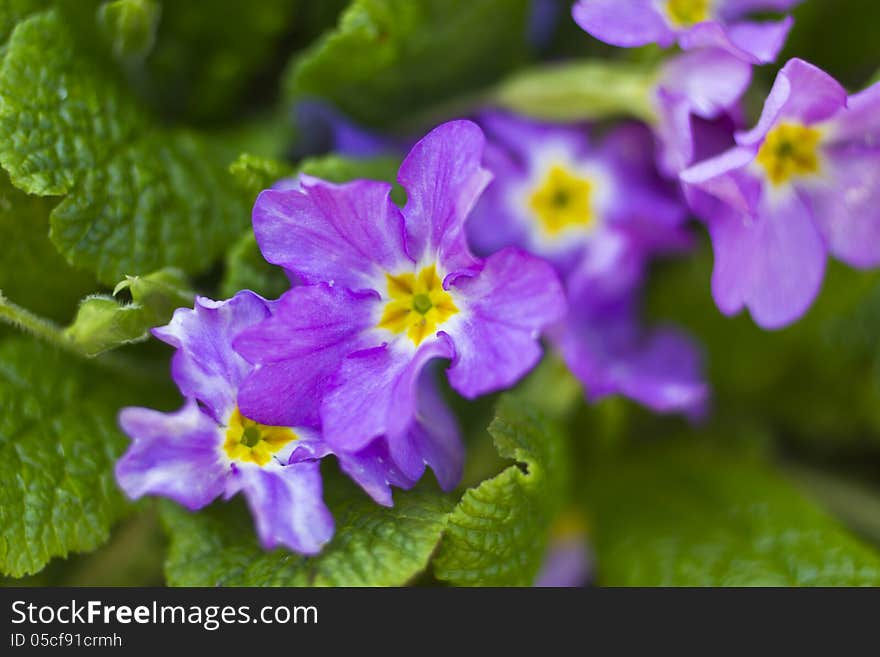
[563, 200]
[790, 150]
[418, 304]
[252, 442]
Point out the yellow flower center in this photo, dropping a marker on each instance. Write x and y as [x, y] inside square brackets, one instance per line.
[687, 13]
[418, 304]
[790, 150]
[563, 200]
[252, 442]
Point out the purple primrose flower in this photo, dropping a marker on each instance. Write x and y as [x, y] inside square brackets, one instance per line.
[209, 448]
[387, 291]
[598, 214]
[693, 24]
[805, 182]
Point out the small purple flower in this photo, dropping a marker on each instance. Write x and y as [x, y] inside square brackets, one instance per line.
[693, 24]
[697, 104]
[803, 183]
[598, 214]
[387, 291]
[209, 448]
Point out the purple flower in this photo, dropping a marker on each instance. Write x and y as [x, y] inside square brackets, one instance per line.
[324, 129]
[697, 104]
[598, 214]
[209, 448]
[567, 563]
[387, 291]
[693, 24]
[803, 183]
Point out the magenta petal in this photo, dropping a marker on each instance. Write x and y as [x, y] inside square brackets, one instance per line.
[205, 366]
[373, 469]
[343, 234]
[733, 9]
[176, 455]
[508, 303]
[443, 179]
[298, 350]
[287, 505]
[802, 93]
[772, 264]
[726, 177]
[623, 23]
[847, 207]
[435, 436]
[860, 122]
[375, 394]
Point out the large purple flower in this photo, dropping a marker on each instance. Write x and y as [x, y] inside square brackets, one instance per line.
[803, 183]
[209, 448]
[598, 213]
[693, 24]
[388, 290]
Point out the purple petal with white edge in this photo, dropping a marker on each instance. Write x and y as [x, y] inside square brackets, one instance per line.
[755, 43]
[443, 178]
[287, 505]
[177, 455]
[773, 264]
[610, 355]
[860, 122]
[727, 178]
[521, 136]
[711, 80]
[623, 23]
[847, 207]
[341, 234]
[508, 303]
[298, 350]
[802, 93]
[375, 394]
[205, 365]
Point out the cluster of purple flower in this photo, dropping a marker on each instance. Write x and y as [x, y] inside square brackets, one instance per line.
[563, 228]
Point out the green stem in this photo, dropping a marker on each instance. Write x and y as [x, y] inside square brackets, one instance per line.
[27, 321]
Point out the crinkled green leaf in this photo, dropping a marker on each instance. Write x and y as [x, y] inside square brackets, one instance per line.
[580, 91]
[138, 196]
[497, 535]
[245, 267]
[684, 515]
[31, 271]
[104, 323]
[389, 58]
[372, 546]
[13, 11]
[58, 444]
[130, 26]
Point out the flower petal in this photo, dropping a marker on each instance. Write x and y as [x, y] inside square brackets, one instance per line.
[773, 264]
[287, 505]
[298, 350]
[375, 394]
[623, 23]
[443, 179]
[177, 455]
[847, 207]
[205, 365]
[755, 43]
[342, 234]
[860, 122]
[373, 469]
[803, 93]
[435, 436]
[509, 302]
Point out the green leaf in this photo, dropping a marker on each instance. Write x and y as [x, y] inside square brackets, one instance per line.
[372, 546]
[31, 270]
[58, 444]
[497, 535]
[104, 323]
[206, 58]
[381, 63]
[13, 11]
[139, 196]
[130, 26]
[247, 270]
[681, 514]
[253, 173]
[580, 91]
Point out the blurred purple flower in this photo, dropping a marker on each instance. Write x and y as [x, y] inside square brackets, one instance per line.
[805, 182]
